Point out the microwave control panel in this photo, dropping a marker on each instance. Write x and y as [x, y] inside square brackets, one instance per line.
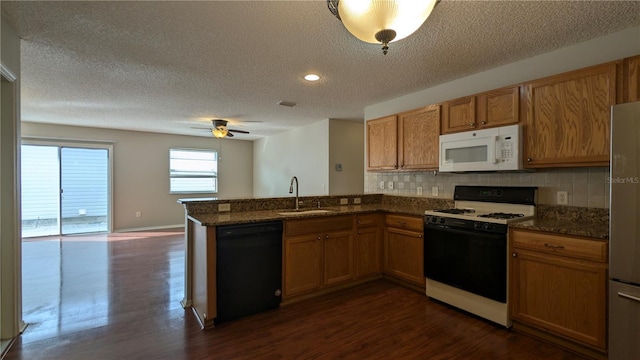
[507, 151]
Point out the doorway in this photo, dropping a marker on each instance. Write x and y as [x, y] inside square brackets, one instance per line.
[65, 189]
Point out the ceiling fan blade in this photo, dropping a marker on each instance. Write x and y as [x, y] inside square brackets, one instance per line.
[239, 131]
[200, 128]
[229, 135]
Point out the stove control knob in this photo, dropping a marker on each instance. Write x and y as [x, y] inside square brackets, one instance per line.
[488, 226]
[434, 219]
[441, 220]
[477, 225]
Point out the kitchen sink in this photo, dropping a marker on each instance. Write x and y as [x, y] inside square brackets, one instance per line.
[304, 212]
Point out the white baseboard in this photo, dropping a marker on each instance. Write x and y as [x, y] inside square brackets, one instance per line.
[162, 227]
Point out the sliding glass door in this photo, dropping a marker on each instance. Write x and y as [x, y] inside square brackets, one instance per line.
[65, 190]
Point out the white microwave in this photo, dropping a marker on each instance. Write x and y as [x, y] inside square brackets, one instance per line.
[494, 149]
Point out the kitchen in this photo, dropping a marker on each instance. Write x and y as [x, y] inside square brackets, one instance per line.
[554, 181]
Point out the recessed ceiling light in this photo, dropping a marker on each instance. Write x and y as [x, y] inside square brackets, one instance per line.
[312, 77]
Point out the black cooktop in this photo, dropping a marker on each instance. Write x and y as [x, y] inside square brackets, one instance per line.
[500, 215]
[455, 211]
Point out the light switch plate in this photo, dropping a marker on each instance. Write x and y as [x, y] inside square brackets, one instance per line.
[344, 201]
[434, 191]
[419, 190]
[381, 184]
[390, 185]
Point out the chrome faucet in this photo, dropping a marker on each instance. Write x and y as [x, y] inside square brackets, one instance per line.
[291, 191]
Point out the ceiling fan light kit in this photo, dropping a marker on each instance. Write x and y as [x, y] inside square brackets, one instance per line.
[381, 21]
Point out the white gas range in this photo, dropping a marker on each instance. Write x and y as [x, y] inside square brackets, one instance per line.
[465, 248]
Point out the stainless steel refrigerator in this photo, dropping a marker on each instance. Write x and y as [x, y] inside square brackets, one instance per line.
[624, 233]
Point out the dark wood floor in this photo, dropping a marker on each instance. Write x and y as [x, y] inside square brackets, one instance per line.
[117, 297]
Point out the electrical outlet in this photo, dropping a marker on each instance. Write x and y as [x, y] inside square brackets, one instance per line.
[390, 185]
[562, 198]
[419, 190]
[356, 201]
[434, 191]
[138, 214]
[381, 184]
[344, 201]
[224, 207]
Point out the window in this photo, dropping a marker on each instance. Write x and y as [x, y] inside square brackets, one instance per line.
[193, 171]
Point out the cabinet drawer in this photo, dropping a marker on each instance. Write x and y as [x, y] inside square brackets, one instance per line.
[366, 220]
[317, 225]
[576, 247]
[405, 222]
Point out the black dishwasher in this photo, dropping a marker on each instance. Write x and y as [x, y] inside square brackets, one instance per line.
[248, 269]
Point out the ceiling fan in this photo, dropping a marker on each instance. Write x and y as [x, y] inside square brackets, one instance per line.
[220, 129]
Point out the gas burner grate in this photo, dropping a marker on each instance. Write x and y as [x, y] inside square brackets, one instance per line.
[456, 211]
[500, 215]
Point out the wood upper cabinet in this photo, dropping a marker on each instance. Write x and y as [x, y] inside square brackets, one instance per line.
[558, 284]
[382, 143]
[631, 79]
[407, 141]
[317, 253]
[418, 138]
[368, 245]
[498, 107]
[567, 118]
[403, 248]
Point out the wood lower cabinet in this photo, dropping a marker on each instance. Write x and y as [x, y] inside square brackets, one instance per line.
[567, 118]
[558, 285]
[368, 245]
[403, 248]
[317, 253]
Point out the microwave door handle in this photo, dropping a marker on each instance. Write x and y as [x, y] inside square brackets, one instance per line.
[495, 149]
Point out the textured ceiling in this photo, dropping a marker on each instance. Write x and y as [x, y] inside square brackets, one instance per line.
[168, 66]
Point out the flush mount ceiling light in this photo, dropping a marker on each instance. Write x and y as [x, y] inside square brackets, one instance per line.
[381, 21]
[312, 77]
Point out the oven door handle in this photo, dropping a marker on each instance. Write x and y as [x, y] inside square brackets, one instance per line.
[450, 229]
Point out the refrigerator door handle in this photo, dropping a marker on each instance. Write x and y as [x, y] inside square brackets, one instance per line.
[628, 296]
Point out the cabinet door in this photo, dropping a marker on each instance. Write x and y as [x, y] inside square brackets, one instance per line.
[382, 143]
[631, 79]
[459, 115]
[567, 118]
[403, 255]
[561, 295]
[338, 257]
[419, 132]
[368, 254]
[302, 264]
[498, 107]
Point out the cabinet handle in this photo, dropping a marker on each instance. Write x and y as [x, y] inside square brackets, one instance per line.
[529, 159]
[319, 237]
[483, 123]
[326, 236]
[514, 254]
[420, 236]
[359, 232]
[358, 221]
[628, 296]
[395, 166]
[472, 124]
[554, 246]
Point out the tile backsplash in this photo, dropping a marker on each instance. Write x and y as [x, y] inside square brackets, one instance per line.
[586, 187]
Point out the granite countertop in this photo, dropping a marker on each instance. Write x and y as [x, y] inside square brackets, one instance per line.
[232, 218]
[597, 230]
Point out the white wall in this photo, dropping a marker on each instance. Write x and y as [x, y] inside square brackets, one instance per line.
[141, 170]
[586, 187]
[592, 52]
[10, 239]
[301, 152]
[346, 141]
